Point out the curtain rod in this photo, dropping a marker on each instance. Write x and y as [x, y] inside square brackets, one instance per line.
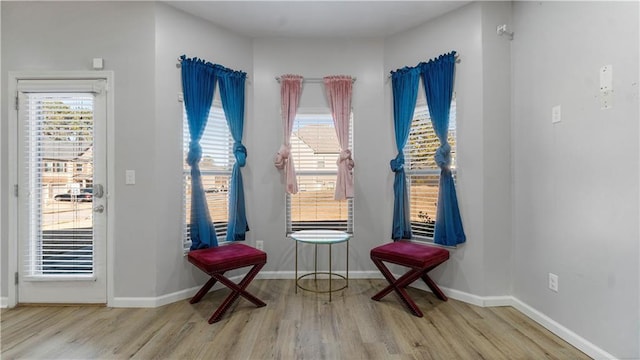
[312, 80]
[457, 62]
[179, 64]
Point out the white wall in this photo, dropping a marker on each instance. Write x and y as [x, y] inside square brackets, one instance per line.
[480, 266]
[141, 43]
[156, 243]
[176, 34]
[53, 36]
[496, 142]
[372, 141]
[570, 190]
[576, 182]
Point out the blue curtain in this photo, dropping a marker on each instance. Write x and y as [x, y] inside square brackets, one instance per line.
[437, 76]
[198, 85]
[405, 91]
[231, 85]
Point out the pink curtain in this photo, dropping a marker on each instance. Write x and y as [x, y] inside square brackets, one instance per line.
[290, 89]
[339, 89]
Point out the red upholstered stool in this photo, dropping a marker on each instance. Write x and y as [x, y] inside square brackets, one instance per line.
[419, 258]
[218, 260]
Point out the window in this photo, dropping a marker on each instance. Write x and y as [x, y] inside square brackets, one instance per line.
[58, 126]
[315, 150]
[54, 167]
[423, 174]
[215, 168]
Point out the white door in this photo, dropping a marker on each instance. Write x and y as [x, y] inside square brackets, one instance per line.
[61, 191]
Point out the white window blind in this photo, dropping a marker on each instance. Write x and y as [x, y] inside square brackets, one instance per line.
[423, 174]
[215, 169]
[58, 150]
[315, 150]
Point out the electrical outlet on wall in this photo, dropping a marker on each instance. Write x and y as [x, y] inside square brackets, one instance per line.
[553, 282]
[606, 87]
[259, 244]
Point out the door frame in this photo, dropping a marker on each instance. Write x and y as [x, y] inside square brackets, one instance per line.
[13, 246]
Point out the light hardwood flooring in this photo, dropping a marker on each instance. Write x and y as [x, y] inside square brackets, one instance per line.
[292, 326]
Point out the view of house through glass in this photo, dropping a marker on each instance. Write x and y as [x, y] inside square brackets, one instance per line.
[315, 150]
[423, 174]
[58, 152]
[215, 168]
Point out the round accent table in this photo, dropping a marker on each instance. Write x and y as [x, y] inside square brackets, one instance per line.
[321, 237]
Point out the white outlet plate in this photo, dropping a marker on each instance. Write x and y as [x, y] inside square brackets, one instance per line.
[606, 99]
[556, 114]
[553, 282]
[606, 87]
[130, 177]
[260, 245]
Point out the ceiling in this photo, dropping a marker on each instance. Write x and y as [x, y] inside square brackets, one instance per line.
[317, 19]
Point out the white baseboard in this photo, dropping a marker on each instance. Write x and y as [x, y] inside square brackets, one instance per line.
[133, 302]
[497, 301]
[483, 301]
[151, 302]
[493, 301]
[567, 335]
[4, 302]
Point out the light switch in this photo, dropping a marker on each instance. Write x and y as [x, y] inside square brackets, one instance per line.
[130, 177]
[556, 114]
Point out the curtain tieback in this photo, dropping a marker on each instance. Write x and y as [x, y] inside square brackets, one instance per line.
[281, 156]
[397, 164]
[345, 157]
[240, 153]
[195, 153]
[443, 156]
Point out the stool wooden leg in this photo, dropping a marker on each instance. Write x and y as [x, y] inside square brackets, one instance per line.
[239, 289]
[390, 279]
[236, 291]
[434, 288]
[203, 290]
[398, 286]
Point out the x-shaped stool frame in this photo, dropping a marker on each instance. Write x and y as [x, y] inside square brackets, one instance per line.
[236, 290]
[399, 285]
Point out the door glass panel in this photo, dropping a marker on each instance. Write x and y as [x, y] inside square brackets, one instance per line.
[59, 176]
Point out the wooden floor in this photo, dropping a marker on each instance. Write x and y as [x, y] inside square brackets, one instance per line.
[291, 326]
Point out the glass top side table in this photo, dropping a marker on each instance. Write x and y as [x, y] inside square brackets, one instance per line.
[321, 237]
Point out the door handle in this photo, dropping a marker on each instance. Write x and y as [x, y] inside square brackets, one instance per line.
[99, 209]
[98, 191]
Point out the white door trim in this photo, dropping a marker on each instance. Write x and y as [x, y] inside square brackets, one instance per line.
[13, 253]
